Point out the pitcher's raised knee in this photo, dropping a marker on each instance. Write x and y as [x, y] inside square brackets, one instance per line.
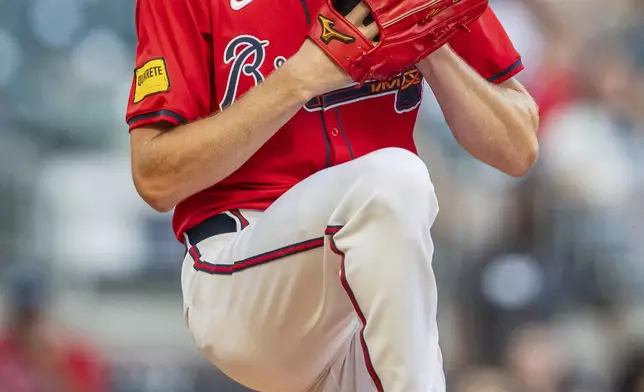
[398, 164]
[399, 179]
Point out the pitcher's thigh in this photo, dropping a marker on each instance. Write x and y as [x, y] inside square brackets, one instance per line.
[276, 326]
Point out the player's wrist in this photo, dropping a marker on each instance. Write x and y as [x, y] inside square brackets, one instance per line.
[300, 79]
[439, 55]
[434, 64]
[314, 73]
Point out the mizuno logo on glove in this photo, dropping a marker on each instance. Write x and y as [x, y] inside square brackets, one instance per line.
[329, 33]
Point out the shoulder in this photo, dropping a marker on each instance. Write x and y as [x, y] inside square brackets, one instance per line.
[173, 11]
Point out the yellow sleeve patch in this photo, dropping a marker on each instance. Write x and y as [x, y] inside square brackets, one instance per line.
[151, 78]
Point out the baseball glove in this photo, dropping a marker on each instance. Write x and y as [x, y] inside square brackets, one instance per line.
[409, 30]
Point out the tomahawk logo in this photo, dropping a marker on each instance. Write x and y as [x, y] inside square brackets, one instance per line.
[329, 32]
[247, 54]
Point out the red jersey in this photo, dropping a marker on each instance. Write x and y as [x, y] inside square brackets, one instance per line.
[197, 57]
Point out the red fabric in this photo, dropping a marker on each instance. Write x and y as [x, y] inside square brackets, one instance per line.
[76, 365]
[215, 50]
[488, 49]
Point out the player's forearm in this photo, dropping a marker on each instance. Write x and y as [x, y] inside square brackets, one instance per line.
[170, 166]
[495, 124]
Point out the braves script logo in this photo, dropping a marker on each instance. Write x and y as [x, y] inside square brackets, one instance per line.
[407, 88]
[247, 54]
[329, 33]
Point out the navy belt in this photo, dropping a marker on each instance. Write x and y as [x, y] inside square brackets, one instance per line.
[215, 225]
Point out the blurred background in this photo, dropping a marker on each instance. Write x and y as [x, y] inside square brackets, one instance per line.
[541, 279]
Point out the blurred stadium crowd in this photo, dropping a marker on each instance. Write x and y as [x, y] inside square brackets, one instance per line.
[542, 279]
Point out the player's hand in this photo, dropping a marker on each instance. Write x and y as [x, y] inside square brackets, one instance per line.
[316, 72]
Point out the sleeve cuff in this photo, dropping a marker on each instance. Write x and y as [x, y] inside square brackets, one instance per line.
[506, 74]
[140, 120]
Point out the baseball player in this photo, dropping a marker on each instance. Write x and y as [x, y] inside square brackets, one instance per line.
[304, 209]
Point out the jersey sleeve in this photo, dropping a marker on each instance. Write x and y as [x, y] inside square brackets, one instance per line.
[173, 78]
[487, 48]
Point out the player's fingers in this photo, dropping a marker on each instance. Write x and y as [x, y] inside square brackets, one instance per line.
[358, 14]
[370, 31]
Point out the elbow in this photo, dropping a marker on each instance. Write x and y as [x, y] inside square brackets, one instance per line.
[527, 153]
[524, 157]
[524, 161]
[157, 196]
[159, 204]
[152, 173]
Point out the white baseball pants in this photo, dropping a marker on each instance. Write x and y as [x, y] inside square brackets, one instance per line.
[331, 289]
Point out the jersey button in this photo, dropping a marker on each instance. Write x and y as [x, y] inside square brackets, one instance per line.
[335, 132]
